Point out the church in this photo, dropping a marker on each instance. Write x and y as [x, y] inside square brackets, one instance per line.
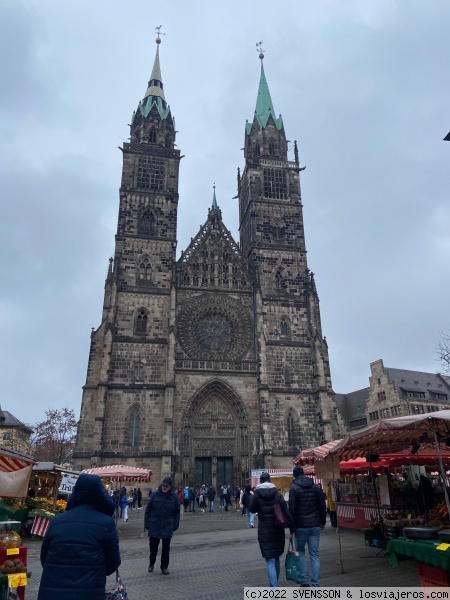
[212, 365]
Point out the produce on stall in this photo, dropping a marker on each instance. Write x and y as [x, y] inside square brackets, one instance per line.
[15, 469]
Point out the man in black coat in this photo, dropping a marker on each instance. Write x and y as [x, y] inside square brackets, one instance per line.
[162, 518]
[81, 546]
[271, 537]
[308, 510]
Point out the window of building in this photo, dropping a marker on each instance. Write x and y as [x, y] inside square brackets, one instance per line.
[141, 321]
[256, 151]
[152, 136]
[271, 147]
[417, 409]
[381, 396]
[145, 270]
[287, 376]
[146, 224]
[442, 396]
[168, 142]
[415, 394]
[138, 370]
[7, 435]
[379, 381]
[292, 427]
[275, 184]
[150, 174]
[284, 330]
[134, 427]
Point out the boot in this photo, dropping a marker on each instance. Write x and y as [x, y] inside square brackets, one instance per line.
[165, 571]
[150, 568]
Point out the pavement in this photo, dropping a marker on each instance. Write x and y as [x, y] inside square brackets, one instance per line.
[214, 556]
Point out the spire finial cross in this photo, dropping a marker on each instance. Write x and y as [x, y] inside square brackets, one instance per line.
[214, 186]
[260, 50]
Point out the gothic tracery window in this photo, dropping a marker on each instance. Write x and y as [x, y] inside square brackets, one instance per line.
[152, 136]
[256, 151]
[145, 270]
[292, 427]
[141, 321]
[275, 184]
[150, 173]
[284, 329]
[146, 224]
[271, 147]
[134, 425]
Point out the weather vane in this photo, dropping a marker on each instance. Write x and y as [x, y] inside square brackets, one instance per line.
[158, 33]
[260, 50]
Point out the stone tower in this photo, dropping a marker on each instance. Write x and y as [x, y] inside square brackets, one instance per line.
[214, 364]
[127, 404]
[294, 381]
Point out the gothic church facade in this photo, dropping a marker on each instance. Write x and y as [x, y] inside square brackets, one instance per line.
[209, 366]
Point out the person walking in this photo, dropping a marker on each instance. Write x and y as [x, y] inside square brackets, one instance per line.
[162, 518]
[307, 507]
[237, 497]
[211, 496]
[191, 499]
[186, 498]
[81, 546]
[139, 498]
[246, 501]
[271, 537]
[124, 504]
[331, 504]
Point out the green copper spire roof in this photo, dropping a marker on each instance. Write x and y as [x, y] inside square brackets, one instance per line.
[155, 92]
[155, 87]
[264, 106]
[214, 202]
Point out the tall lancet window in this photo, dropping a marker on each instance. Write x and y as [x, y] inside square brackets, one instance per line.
[141, 321]
[134, 425]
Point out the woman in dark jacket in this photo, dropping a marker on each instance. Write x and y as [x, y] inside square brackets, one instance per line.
[81, 546]
[271, 537]
[162, 518]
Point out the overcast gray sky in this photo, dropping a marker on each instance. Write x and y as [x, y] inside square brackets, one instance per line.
[363, 86]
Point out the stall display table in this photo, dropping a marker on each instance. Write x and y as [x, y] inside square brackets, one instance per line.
[433, 564]
[6, 554]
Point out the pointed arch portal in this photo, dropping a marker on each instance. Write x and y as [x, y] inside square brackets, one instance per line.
[214, 445]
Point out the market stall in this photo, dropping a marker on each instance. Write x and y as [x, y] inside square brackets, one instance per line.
[15, 469]
[119, 474]
[50, 486]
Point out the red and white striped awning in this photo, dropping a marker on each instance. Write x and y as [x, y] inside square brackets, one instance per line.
[384, 437]
[121, 473]
[13, 461]
[310, 455]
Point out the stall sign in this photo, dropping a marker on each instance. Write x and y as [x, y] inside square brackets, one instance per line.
[67, 483]
[16, 580]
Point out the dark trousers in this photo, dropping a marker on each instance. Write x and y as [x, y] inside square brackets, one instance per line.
[154, 543]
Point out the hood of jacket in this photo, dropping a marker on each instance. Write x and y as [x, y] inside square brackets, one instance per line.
[303, 481]
[267, 489]
[90, 490]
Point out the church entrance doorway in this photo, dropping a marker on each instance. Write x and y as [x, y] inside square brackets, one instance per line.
[203, 471]
[224, 470]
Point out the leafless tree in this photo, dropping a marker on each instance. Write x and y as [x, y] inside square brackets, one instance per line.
[443, 351]
[53, 439]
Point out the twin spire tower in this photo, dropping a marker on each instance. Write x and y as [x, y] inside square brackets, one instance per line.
[209, 366]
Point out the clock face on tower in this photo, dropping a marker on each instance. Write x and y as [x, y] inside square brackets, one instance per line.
[214, 327]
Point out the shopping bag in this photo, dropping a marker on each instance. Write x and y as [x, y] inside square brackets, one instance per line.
[279, 518]
[119, 592]
[292, 564]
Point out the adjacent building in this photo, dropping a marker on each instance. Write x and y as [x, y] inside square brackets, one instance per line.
[392, 393]
[14, 435]
[213, 364]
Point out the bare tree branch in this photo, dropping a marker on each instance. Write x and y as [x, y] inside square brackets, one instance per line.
[443, 351]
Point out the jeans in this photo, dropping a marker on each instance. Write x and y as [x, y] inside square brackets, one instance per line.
[310, 536]
[154, 543]
[191, 505]
[249, 517]
[211, 506]
[273, 571]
